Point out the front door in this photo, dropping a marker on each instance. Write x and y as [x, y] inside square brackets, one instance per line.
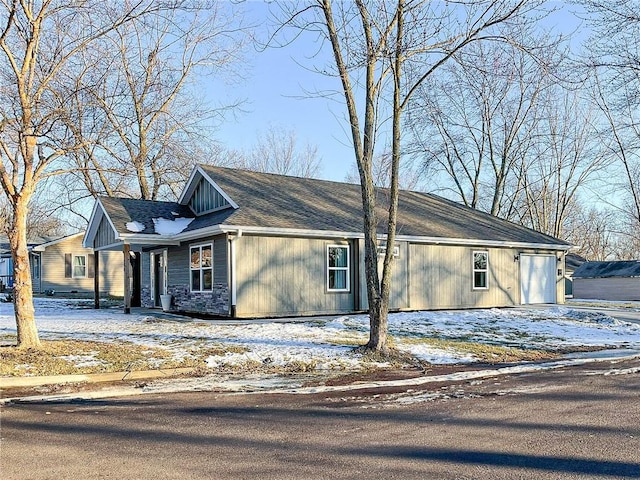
[158, 275]
[136, 289]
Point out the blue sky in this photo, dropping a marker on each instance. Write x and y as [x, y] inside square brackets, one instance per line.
[276, 89]
[277, 92]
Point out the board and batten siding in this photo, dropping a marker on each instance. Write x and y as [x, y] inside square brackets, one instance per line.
[287, 276]
[399, 294]
[53, 269]
[612, 288]
[441, 276]
[178, 261]
[104, 234]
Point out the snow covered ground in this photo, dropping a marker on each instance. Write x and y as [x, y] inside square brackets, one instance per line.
[327, 343]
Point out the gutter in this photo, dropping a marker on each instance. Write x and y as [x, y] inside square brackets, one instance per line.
[232, 271]
[307, 233]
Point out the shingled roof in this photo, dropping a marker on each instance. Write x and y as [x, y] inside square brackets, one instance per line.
[125, 210]
[629, 268]
[283, 202]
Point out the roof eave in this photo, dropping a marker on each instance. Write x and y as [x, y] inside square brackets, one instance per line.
[43, 246]
[295, 232]
[149, 238]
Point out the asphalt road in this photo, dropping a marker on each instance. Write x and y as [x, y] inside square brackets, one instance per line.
[578, 422]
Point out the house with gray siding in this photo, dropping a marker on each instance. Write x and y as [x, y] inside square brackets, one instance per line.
[247, 244]
[615, 280]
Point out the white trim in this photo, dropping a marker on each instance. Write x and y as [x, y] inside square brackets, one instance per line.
[294, 232]
[474, 270]
[233, 268]
[188, 185]
[149, 239]
[152, 267]
[346, 269]
[73, 265]
[94, 223]
[43, 246]
[155, 239]
[112, 246]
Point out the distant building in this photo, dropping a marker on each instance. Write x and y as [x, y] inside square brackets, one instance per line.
[572, 262]
[62, 264]
[618, 280]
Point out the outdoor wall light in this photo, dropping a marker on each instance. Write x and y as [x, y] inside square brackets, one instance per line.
[516, 258]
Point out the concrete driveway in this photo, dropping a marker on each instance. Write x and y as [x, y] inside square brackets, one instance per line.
[624, 314]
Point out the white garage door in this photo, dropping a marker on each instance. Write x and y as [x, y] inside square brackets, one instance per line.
[537, 279]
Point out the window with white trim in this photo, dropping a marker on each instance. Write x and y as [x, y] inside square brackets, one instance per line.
[338, 268]
[480, 270]
[201, 267]
[79, 266]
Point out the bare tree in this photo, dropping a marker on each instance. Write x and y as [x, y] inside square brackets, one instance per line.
[383, 52]
[593, 233]
[39, 44]
[277, 151]
[410, 174]
[473, 124]
[614, 56]
[564, 157]
[628, 245]
[139, 111]
[40, 221]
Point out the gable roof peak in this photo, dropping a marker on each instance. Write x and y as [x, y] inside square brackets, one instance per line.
[197, 175]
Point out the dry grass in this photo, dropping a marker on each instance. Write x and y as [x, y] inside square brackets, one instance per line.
[63, 357]
[486, 353]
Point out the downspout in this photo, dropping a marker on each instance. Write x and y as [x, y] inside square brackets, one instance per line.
[232, 273]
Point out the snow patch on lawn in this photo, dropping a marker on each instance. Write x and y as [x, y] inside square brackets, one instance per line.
[327, 344]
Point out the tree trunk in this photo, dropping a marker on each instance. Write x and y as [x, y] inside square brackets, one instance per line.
[22, 288]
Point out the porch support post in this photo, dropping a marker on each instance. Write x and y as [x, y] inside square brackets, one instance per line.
[96, 280]
[127, 277]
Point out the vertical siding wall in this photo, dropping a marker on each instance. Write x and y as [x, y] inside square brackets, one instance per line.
[399, 295]
[442, 277]
[286, 276]
[104, 235]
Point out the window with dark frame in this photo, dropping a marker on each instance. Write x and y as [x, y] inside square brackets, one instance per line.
[201, 267]
[338, 268]
[480, 270]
